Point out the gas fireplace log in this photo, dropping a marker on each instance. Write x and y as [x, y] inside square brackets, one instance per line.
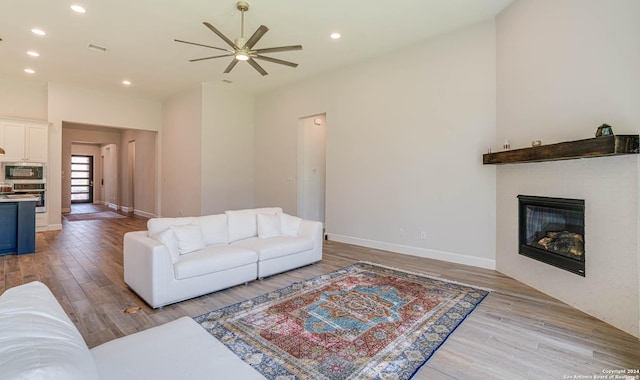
[563, 242]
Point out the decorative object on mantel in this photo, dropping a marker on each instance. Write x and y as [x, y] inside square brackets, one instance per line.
[1, 151]
[604, 130]
[536, 143]
[506, 145]
[610, 145]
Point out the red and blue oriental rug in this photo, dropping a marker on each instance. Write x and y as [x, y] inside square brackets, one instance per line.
[364, 321]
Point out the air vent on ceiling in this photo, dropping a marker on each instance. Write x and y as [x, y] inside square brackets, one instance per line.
[97, 48]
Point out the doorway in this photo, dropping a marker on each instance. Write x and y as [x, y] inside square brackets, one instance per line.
[81, 179]
[312, 167]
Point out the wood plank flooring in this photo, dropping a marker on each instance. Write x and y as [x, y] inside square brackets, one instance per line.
[515, 333]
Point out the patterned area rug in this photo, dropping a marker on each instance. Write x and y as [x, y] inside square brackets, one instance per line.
[364, 321]
[93, 216]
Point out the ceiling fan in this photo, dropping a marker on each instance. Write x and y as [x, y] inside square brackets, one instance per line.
[242, 49]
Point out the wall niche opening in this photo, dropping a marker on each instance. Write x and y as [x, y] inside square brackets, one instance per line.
[551, 230]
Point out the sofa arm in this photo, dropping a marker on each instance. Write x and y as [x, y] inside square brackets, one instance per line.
[312, 229]
[148, 269]
[37, 338]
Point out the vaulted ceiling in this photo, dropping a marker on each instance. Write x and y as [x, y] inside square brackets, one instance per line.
[139, 38]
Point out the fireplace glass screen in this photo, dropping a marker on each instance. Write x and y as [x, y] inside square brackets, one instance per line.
[552, 231]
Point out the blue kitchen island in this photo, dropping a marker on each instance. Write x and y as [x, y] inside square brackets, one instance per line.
[17, 224]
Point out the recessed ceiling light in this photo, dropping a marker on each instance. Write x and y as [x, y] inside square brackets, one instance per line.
[335, 36]
[39, 32]
[29, 71]
[78, 8]
[33, 53]
[126, 82]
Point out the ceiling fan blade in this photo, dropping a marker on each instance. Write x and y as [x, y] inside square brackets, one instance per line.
[269, 59]
[278, 49]
[197, 44]
[233, 64]
[215, 56]
[224, 38]
[257, 35]
[255, 65]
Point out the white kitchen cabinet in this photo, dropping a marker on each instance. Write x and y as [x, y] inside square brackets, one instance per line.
[24, 140]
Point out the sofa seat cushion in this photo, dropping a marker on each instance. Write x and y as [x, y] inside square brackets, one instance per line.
[213, 259]
[38, 340]
[275, 247]
[180, 349]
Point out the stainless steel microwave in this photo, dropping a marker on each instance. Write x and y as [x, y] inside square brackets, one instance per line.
[24, 171]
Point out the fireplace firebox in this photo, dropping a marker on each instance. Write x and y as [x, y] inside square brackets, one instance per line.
[551, 230]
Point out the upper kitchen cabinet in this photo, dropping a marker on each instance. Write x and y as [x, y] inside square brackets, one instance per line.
[24, 140]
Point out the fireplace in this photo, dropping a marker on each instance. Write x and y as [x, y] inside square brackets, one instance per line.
[551, 230]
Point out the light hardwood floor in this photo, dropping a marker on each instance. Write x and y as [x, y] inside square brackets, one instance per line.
[515, 333]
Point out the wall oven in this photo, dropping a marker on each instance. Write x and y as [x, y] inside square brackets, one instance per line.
[28, 178]
[24, 171]
[37, 189]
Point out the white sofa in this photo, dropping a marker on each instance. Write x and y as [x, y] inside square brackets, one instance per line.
[38, 341]
[181, 258]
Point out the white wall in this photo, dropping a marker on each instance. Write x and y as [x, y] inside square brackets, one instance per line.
[405, 139]
[563, 69]
[180, 154]
[227, 150]
[23, 99]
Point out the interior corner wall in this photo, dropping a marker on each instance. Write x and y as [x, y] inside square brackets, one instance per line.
[227, 150]
[404, 146]
[181, 157]
[564, 68]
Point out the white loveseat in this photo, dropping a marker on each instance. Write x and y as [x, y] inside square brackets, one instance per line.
[181, 258]
[39, 341]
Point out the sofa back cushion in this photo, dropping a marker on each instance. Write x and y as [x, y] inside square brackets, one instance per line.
[38, 340]
[243, 223]
[214, 229]
[189, 237]
[156, 225]
[168, 238]
[290, 224]
[268, 225]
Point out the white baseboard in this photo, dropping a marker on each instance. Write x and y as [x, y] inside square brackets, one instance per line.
[49, 227]
[144, 214]
[416, 251]
[113, 206]
[126, 209]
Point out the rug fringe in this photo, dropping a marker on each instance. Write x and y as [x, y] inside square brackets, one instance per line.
[427, 275]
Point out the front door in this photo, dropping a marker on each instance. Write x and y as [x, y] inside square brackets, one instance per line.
[81, 179]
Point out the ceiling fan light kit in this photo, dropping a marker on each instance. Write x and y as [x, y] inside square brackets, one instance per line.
[242, 49]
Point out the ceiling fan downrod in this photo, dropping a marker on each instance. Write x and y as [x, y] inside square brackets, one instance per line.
[242, 6]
